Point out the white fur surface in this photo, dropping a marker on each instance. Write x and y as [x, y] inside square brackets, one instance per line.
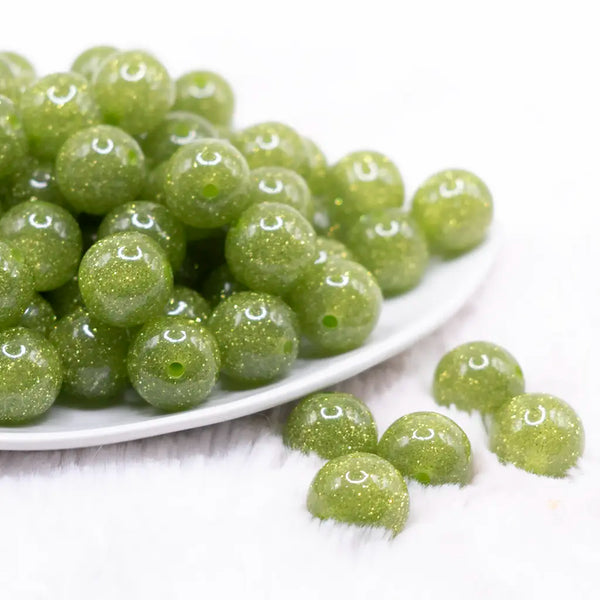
[509, 92]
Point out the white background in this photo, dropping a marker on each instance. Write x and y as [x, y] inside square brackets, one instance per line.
[508, 90]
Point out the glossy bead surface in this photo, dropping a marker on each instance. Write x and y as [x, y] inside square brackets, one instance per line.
[391, 246]
[539, 433]
[39, 316]
[477, 376]
[93, 356]
[125, 279]
[151, 219]
[30, 375]
[207, 183]
[89, 61]
[362, 489]
[173, 363]
[257, 335]
[269, 247]
[55, 107]
[428, 447]
[48, 237]
[338, 304]
[188, 303]
[331, 424]
[16, 285]
[134, 91]
[13, 144]
[328, 248]
[221, 284]
[99, 168]
[16, 73]
[454, 209]
[317, 173]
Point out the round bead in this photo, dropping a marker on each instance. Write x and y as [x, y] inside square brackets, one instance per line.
[269, 247]
[454, 208]
[55, 107]
[221, 284]
[328, 248]
[16, 73]
[13, 144]
[207, 94]
[134, 91]
[428, 447]
[391, 245]
[93, 356]
[318, 169]
[39, 316]
[257, 336]
[16, 285]
[188, 303]
[89, 61]
[30, 375]
[278, 184]
[66, 298]
[151, 219]
[207, 183]
[361, 489]
[100, 168]
[338, 304]
[539, 433]
[477, 376]
[49, 239]
[125, 279]
[173, 363]
[331, 424]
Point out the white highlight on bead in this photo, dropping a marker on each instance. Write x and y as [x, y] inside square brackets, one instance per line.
[446, 192]
[267, 189]
[133, 76]
[122, 253]
[183, 139]
[147, 224]
[270, 145]
[178, 309]
[206, 91]
[278, 224]
[172, 338]
[391, 230]
[256, 317]
[40, 185]
[18, 354]
[60, 100]
[209, 161]
[336, 415]
[321, 258]
[482, 364]
[537, 421]
[370, 175]
[39, 224]
[86, 329]
[364, 476]
[428, 436]
[342, 282]
[106, 149]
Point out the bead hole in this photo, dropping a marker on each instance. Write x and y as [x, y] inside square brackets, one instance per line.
[330, 321]
[210, 191]
[175, 370]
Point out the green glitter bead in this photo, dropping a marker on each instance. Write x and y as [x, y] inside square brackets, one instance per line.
[89, 61]
[16, 285]
[257, 336]
[173, 363]
[321, 219]
[16, 73]
[539, 433]
[100, 168]
[13, 145]
[49, 238]
[390, 244]
[338, 304]
[150, 219]
[269, 247]
[477, 376]
[66, 298]
[272, 144]
[362, 182]
[30, 375]
[134, 91]
[331, 424]
[362, 489]
[428, 447]
[39, 316]
[154, 190]
[221, 284]
[328, 248]
[278, 184]
[125, 279]
[318, 169]
[54, 108]
[454, 209]
[177, 129]
[187, 303]
[207, 94]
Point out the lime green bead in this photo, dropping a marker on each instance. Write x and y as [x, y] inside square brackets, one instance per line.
[188, 303]
[13, 145]
[338, 304]
[177, 129]
[66, 298]
[428, 447]
[154, 188]
[16, 285]
[49, 238]
[477, 376]
[30, 375]
[221, 284]
[150, 219]
[54, 108]
[88, 62]
[278, 184]
[257, 336]
[269, 247]
[173, 363]
[391, 245]
[207, 183]
[16, 73]
[134, 91]
[125, 279]
[361, 489]
[331, 424]
[318, 170]
[454, 209]
[207, 94]
[539, 433]
[328, 248]
[39, 316]
[99, 168]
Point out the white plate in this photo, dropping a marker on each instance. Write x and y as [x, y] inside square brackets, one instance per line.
[404, 320]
